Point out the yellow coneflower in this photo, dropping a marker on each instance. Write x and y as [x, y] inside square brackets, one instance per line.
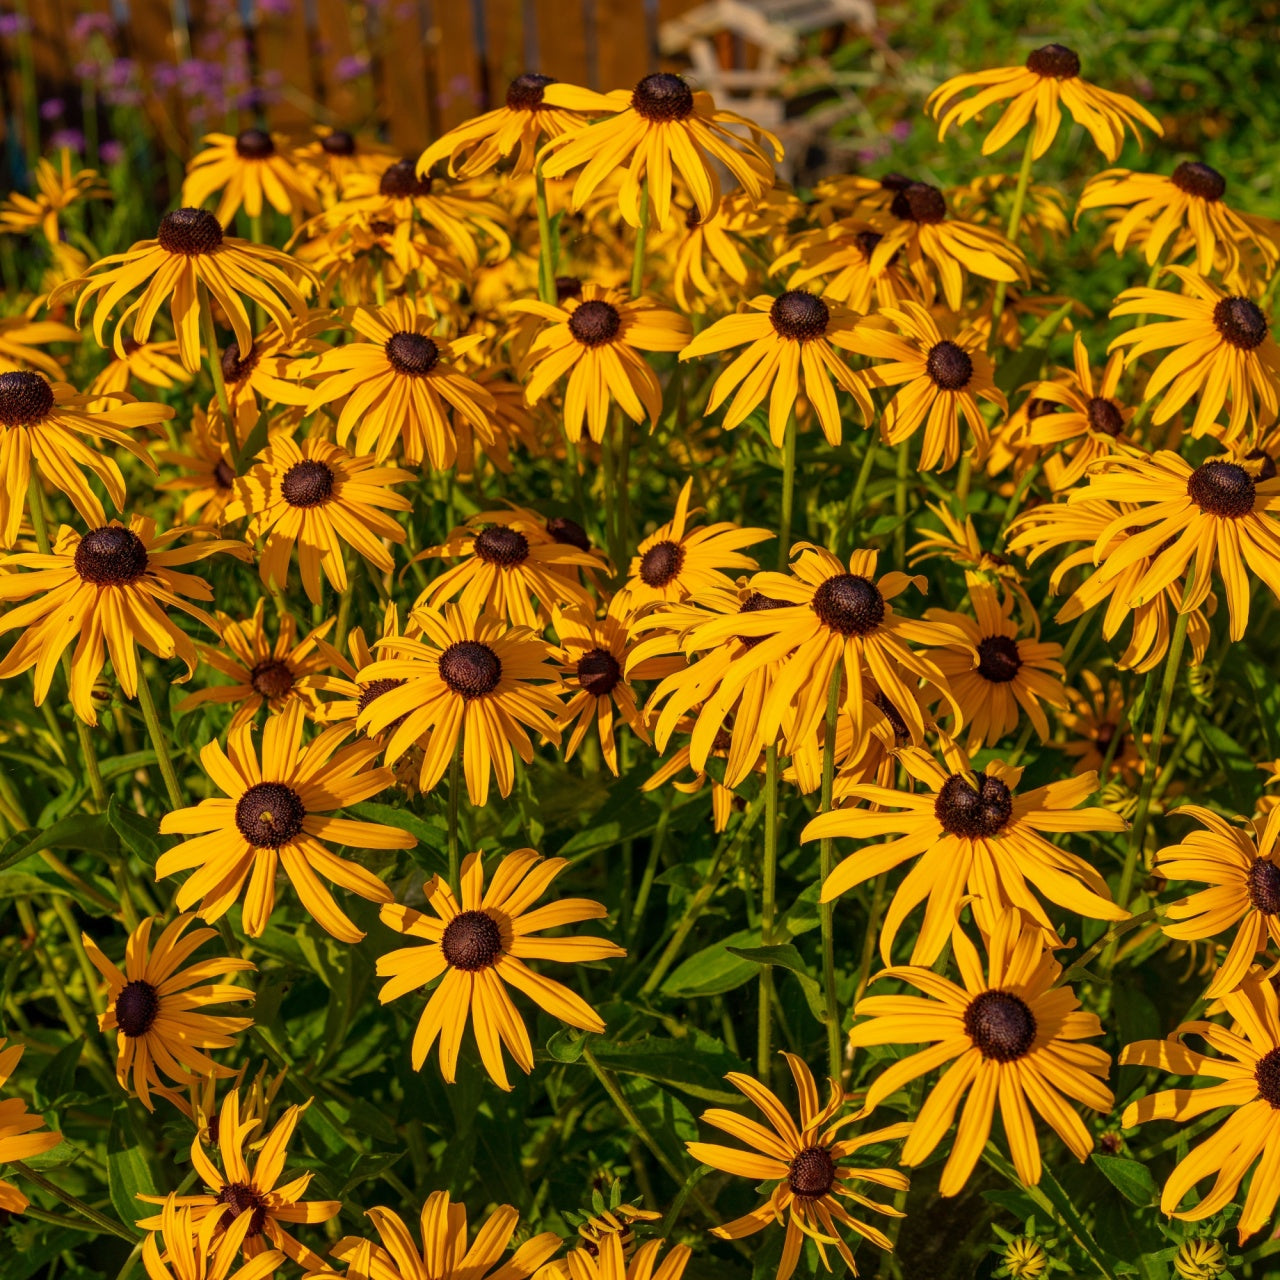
[155, 364]
[107, 590]
[1095, 717]
[58, 188]
[1049, 80]
[353, 693]
[1246, 1068]
[471, 684]
[192, 251]
[274, 817]
[804, 1162]
[971, 833]
[1012, 1036]
[245, 170]
[944, 373]
[840, 256]
[1011, 672]
[54, 426]
[510, 566]
[208, 1251]
[1200, 1260]
[162, 1029]
[397, 383]
[1184, 211]
[237, 1191]
[335, 154]
[21, 338]
[207, 482]
[318, 497]
[988, 200]
[595, 338]
[262, 671]
[18, 1139]
[791, 341]
[708, 253]
[478, 947]
[265, 377]
[1023, 1258]
[1224, 352]
[660, 127]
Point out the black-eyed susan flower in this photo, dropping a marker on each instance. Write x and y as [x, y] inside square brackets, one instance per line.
[708, 252]
[468, 683]
[190, 252]
[941, 374]
[18, 1137]
[607, 1259]
[1182, 212]
[660, 128]
[55, 428]
[1188, 520]
[612, 1219]
[675, 562]
[108, 590]
[181, 1250]
[263, 671]
[397, 382]
[596, 338]
[988, 200]
[1097, 714]
[517, 127]
[59, 187]
[157, 1008]
[1240, 867]
[970, 833]
[814, 1188]
[1012, 1038]
[21, 338]
[1223, 354]
[276, 815]
[477, 948]
[208, 476]
[273, 1208]
[156, 363]
[840, 257]
[1023, 1258]
[317, 497]
[244, 171]
[1245, 1070]
[1012, 674]
[1048, 81]
[353, 694]
[512, 567]
[792, 339]
[939, 249]
[265, 378]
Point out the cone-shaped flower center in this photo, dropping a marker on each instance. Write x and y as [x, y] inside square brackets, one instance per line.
[308, 483]
[524, 93]
[1198, 179]
[272, 678]
[1267, 1075]
[901, 734]
[223, 476]
[799, 315]
[1038, 408]
[1054, 61]
[136, 1008]
[919, 202]
[189, 231]
[1001, 1025]
[599, 672]
[502, 545]
[269, 814]
[973, 813]
[25, 399]
[413, 354]
[372, 691]
[758, 602]
[568, 287]
[1240, 322]
[471, 941]
[569, 533]
[239, 1196]
[1264, 886]
[470, 669]
[949, 365]
[595, 322]
[850, 604]
[812, 1173]
[338, 143]
[111, 557]
[661, 563]
[254, 144]
[1105, 416]
[400, 181]
[235, 369]
[662, 97]
[998, 659]
[1223, 489]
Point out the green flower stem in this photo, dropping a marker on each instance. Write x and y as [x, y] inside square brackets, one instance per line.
[642, 236]
[213, 357]
[1011, 232]
[826, 862]
[344, 605]
[900, 502]
[87, 1212]
[1014, 504]
[637, 905]
[547, 250]
[154, 729]
[92, 979]
[455, 858]
[768, 913]
[869, 938]
[788, 494]
[854, 509]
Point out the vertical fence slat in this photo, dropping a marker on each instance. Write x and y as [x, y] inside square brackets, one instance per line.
[337, 41]
[562, 41]
[456, 64]
[284, 63]
[622, 30]
[403, 47]
[505, 46]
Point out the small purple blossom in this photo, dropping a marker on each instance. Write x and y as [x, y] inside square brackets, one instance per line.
[88, 25]
[52, 109]
[13, 24]
[70, 139]
[901, 130]
[111, 151]
[351, 67]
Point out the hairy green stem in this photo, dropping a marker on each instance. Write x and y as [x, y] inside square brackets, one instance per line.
[788, 493]
[213, 358]
[156, 732]
[455, 857]
[768, 912]
[547, 251]
[1011, 233]
[642, 236]
[87, 1212]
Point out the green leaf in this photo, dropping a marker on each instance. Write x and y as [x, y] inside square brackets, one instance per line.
[1130, 1177]
[1027, 363]
[713, 970]
[128, 1174]
[785, 956]
[90, 832]
[695, 1064]
[668, 1120]
[138, 833]
[58, 1074]
[566, 1045]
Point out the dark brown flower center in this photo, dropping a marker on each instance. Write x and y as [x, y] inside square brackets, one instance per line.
[254, 144]
[850, 604]
[111, 557]
[919, 202]
[242, 1196]
[269, 814]
[1037, 408]
[189, 231]
[758, 602]
[400, 181]
[471, 941]
[998, 659]
[136, 1008]
[661, 563]
[1266, 464]
[1105, 416]
[1103, 735]
[812, 1173]
[950, 366]
[1264, 886]
[502, 545]
[662, 97]
[867, 241]
[235, 368]
[413, 354]
[895, 182]
[599, 672]
[1240, 322]
[382, 226]
[1054, 62]
[272, 678]
[692, 218]
[1222, 489]
[1198, 179]
[594, 323]
[375, 689]
[901, 734]
[308, 483]
[338, 143]
[470, 669]
[568, 533]
[131, 346]
[223, 476]
[973, 813]
[799, 315]
[524, 93]
[1001, 1025]
[25, 399]
[568, 287]
[1267, 1075]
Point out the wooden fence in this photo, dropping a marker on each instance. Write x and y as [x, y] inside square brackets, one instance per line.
[409, 69]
